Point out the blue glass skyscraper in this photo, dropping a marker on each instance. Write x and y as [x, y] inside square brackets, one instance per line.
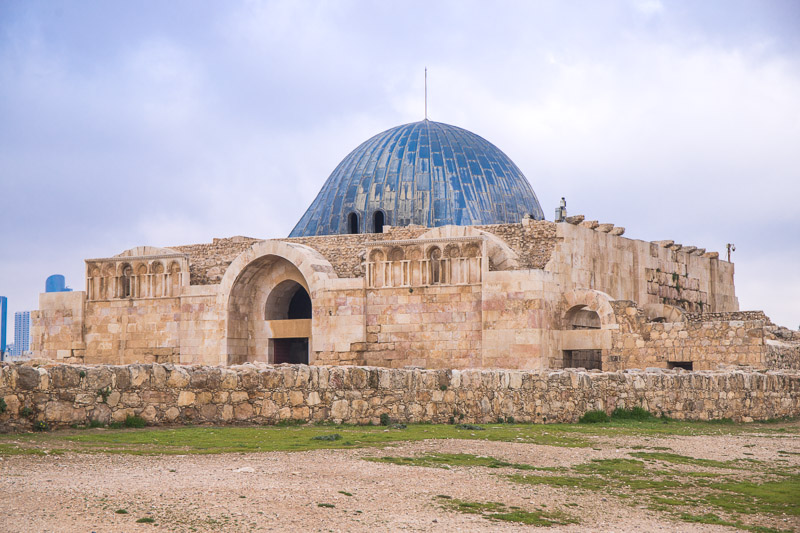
[22, 333]
[3, 315]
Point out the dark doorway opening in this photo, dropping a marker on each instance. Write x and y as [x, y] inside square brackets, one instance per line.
[352, 223]
[299, 305]
[588, 359]
[686, 365]
[293, 351]
[377, 221]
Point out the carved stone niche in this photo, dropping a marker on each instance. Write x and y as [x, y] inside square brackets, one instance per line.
[142, 272]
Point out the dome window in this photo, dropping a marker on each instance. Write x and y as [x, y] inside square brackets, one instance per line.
[352, 223]
[378, 220]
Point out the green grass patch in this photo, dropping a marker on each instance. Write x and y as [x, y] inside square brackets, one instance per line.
[499, 511]
[594, 417]
[449, 460]
[145, 520]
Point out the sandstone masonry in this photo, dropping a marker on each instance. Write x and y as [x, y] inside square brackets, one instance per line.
[62, 395]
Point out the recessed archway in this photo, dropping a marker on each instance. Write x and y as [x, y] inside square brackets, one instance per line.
[268, 293]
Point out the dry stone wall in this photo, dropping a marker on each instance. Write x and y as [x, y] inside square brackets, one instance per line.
[62, 395]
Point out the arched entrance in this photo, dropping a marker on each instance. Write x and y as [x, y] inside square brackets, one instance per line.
[585, 334]
[288, 316]
[268, 293]
[581, 318]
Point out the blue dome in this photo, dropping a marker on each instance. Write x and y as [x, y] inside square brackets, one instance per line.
[425, 173]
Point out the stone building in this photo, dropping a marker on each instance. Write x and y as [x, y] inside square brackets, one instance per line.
[425, 247]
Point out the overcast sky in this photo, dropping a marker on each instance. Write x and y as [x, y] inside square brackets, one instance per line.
[164, 123]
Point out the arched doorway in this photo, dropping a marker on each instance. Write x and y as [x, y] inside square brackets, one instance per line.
[288, 314]
[580, 317]
[378, 220]
[269, 314]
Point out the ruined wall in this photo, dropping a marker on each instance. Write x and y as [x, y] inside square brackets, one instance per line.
[645, 272]
[208, 261]
[722, 339]
[168, 394]
[533, 240]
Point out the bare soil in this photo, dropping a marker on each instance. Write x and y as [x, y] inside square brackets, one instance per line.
[283, 491]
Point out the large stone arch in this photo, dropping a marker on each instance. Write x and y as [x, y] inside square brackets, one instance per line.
[247, 285]
[591, 300]
[585, 337]
[501, 255]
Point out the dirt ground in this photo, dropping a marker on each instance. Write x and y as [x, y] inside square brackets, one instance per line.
[283, 491]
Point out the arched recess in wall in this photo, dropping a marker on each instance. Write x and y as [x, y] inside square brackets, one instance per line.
[583, 343]
[378, 221]
[264, 292]
[352, 223]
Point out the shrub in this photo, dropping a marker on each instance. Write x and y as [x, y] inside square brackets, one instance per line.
[509, 420]
[26, 412]
[3, 406]
[471, 427]
[636, 413]
[121, 511]
[105, 393]
[133, 421]
[385, 419]
[145, 520]
[82, 373]
[332, 436]
[95, 424]
[40, 425]
[398, 426]
[594, 417]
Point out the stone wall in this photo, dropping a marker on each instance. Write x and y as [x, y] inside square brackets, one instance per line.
[705, 344]
[208, 261]
[259, 394]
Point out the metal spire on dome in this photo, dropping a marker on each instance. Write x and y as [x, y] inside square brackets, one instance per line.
[426, 93]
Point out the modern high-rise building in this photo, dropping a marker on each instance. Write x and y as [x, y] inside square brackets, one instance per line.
[3, 314]
[22, 333]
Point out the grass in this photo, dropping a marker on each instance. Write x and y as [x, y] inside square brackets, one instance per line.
[728, 498]
[292, 437]
[449, 460]
[500, 512]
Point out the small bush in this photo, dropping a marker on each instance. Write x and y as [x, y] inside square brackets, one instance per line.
[3, 406]
[385, 419]
[636, 413]
[40, 425]
[95, 424]
[25, 412]
[442, 387]
[104, 393]
[328, 505]
[121, 511]
[451, 420]
[115, 425]
[594, 417]
[145, 520]
[290, 422]
[471, 427]
[82, 373]
[332, 436]
[398, 426]
[509, 420]
[133, 421]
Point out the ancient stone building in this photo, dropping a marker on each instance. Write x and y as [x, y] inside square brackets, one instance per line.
[425, 247]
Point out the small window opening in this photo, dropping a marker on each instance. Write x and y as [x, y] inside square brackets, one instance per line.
[686, 365]
[352, 223]
[377, 221]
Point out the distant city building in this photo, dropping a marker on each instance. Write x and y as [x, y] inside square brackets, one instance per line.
[22, 333]
[3, 315]
[56, 283]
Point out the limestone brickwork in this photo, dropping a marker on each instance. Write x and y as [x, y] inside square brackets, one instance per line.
[61, 395]
[534, 295]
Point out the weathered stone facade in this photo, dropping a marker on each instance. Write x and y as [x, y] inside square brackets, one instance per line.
[62, 395]
[535, 295]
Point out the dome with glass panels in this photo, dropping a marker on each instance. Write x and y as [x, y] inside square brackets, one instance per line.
[425, 173]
